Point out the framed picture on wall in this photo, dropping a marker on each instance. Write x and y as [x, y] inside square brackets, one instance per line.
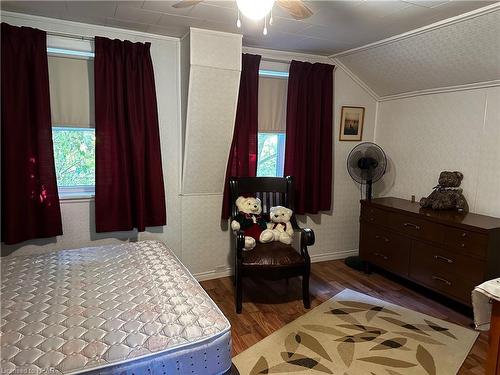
[351, 123]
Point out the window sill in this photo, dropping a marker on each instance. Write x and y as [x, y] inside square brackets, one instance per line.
[76, 197]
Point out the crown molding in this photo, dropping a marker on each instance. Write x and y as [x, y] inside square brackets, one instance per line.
[440, 90]
[434, 26]
[57, 25]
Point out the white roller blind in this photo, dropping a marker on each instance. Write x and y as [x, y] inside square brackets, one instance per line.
[71, 91]
[272, 104]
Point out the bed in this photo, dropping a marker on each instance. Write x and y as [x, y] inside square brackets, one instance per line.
[131, 309]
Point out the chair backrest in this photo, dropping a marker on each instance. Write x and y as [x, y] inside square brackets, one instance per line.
[272, 191]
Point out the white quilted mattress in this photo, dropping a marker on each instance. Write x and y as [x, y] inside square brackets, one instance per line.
[92, 309]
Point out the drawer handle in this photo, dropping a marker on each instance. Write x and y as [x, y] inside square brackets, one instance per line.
[442, 280]
[462, 245]
[411, 225]
[384, 257]
[464, 234]
[382, 237]
[439, 257]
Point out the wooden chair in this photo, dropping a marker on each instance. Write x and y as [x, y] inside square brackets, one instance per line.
[273, 260]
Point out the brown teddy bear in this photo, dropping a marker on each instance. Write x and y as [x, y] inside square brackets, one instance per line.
[447, 195]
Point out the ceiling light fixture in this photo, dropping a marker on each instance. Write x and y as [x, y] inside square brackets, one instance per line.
[255, 10]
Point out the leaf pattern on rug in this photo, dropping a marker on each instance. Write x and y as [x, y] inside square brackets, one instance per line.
[426, 360]
[323, 329]
[346, 352]
[291, 360]
[360, 337]
[403, 324]
[291, 343]
[312, 344]
[362, 328]
[261, 367]
[391, 372]
[418, 337]
[436, 327]
[344, 315]
[395, 343]
[386, 361]
[371, 310]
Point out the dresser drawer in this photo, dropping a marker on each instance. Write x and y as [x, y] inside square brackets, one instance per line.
[469, 242]
[416, 227]
[385, 249]
[447, 263]
[451, 285]
[373, 215]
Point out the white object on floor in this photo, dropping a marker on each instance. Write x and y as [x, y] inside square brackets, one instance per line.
[481, 302]
[128, 308]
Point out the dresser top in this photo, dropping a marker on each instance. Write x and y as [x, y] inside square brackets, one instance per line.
[448, 216]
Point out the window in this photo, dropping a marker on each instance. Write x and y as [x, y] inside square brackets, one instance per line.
[74, 155]
[73, 134]
[272, 123]
[271, 154]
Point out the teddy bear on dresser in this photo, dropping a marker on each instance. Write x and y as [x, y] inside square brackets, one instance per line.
[280, 224]
[250, 220]
[447, 195]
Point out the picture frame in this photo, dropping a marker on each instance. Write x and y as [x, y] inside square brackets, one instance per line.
[351, 123]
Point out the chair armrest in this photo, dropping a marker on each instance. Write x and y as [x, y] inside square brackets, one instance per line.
[307, 237]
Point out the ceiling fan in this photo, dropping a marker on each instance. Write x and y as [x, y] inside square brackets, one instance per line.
[256, 10]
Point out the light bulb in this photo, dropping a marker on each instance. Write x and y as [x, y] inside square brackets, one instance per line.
[238, 24]
[255, 9]
[264, 31]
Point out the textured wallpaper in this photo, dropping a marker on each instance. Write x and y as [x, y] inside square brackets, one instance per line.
[449, 131]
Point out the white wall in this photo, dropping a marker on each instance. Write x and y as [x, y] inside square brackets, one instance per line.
[78, 215]
[426, 134]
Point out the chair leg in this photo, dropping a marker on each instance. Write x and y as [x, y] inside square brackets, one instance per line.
[239, 294]
[305, 290]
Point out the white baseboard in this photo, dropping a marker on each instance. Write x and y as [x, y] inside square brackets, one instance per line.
[333, 255]
[209, 275]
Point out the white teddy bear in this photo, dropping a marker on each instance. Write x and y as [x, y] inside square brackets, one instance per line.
[280, 225]
[250, 220]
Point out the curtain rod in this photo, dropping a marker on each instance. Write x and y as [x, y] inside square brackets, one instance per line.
[73, 36]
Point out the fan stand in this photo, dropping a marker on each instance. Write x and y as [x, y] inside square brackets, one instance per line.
[369, 184]
[355, 261]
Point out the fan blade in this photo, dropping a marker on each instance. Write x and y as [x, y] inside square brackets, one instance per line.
[186, 4]
[296, 8]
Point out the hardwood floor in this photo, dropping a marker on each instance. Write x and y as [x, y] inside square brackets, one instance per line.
[268, 306]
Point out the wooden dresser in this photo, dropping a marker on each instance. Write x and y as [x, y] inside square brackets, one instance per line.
[446, 251]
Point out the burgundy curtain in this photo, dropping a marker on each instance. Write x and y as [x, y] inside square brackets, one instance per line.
[30, 203]
[129, 180]
[242, 160]
[308, 151]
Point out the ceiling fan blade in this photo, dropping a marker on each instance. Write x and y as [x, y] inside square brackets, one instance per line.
[186, 3]
[296, 8]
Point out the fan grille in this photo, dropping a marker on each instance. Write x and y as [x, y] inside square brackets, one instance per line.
[367, 161]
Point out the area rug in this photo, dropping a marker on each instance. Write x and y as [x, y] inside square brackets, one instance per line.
[355, 334]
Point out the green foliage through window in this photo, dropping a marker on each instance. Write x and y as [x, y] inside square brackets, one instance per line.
[271, 154]
[74, 155]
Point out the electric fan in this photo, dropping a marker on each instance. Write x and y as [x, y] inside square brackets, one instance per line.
[366, 164]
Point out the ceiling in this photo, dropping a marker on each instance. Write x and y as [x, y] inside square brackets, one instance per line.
[465, 52]
[335, 26]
